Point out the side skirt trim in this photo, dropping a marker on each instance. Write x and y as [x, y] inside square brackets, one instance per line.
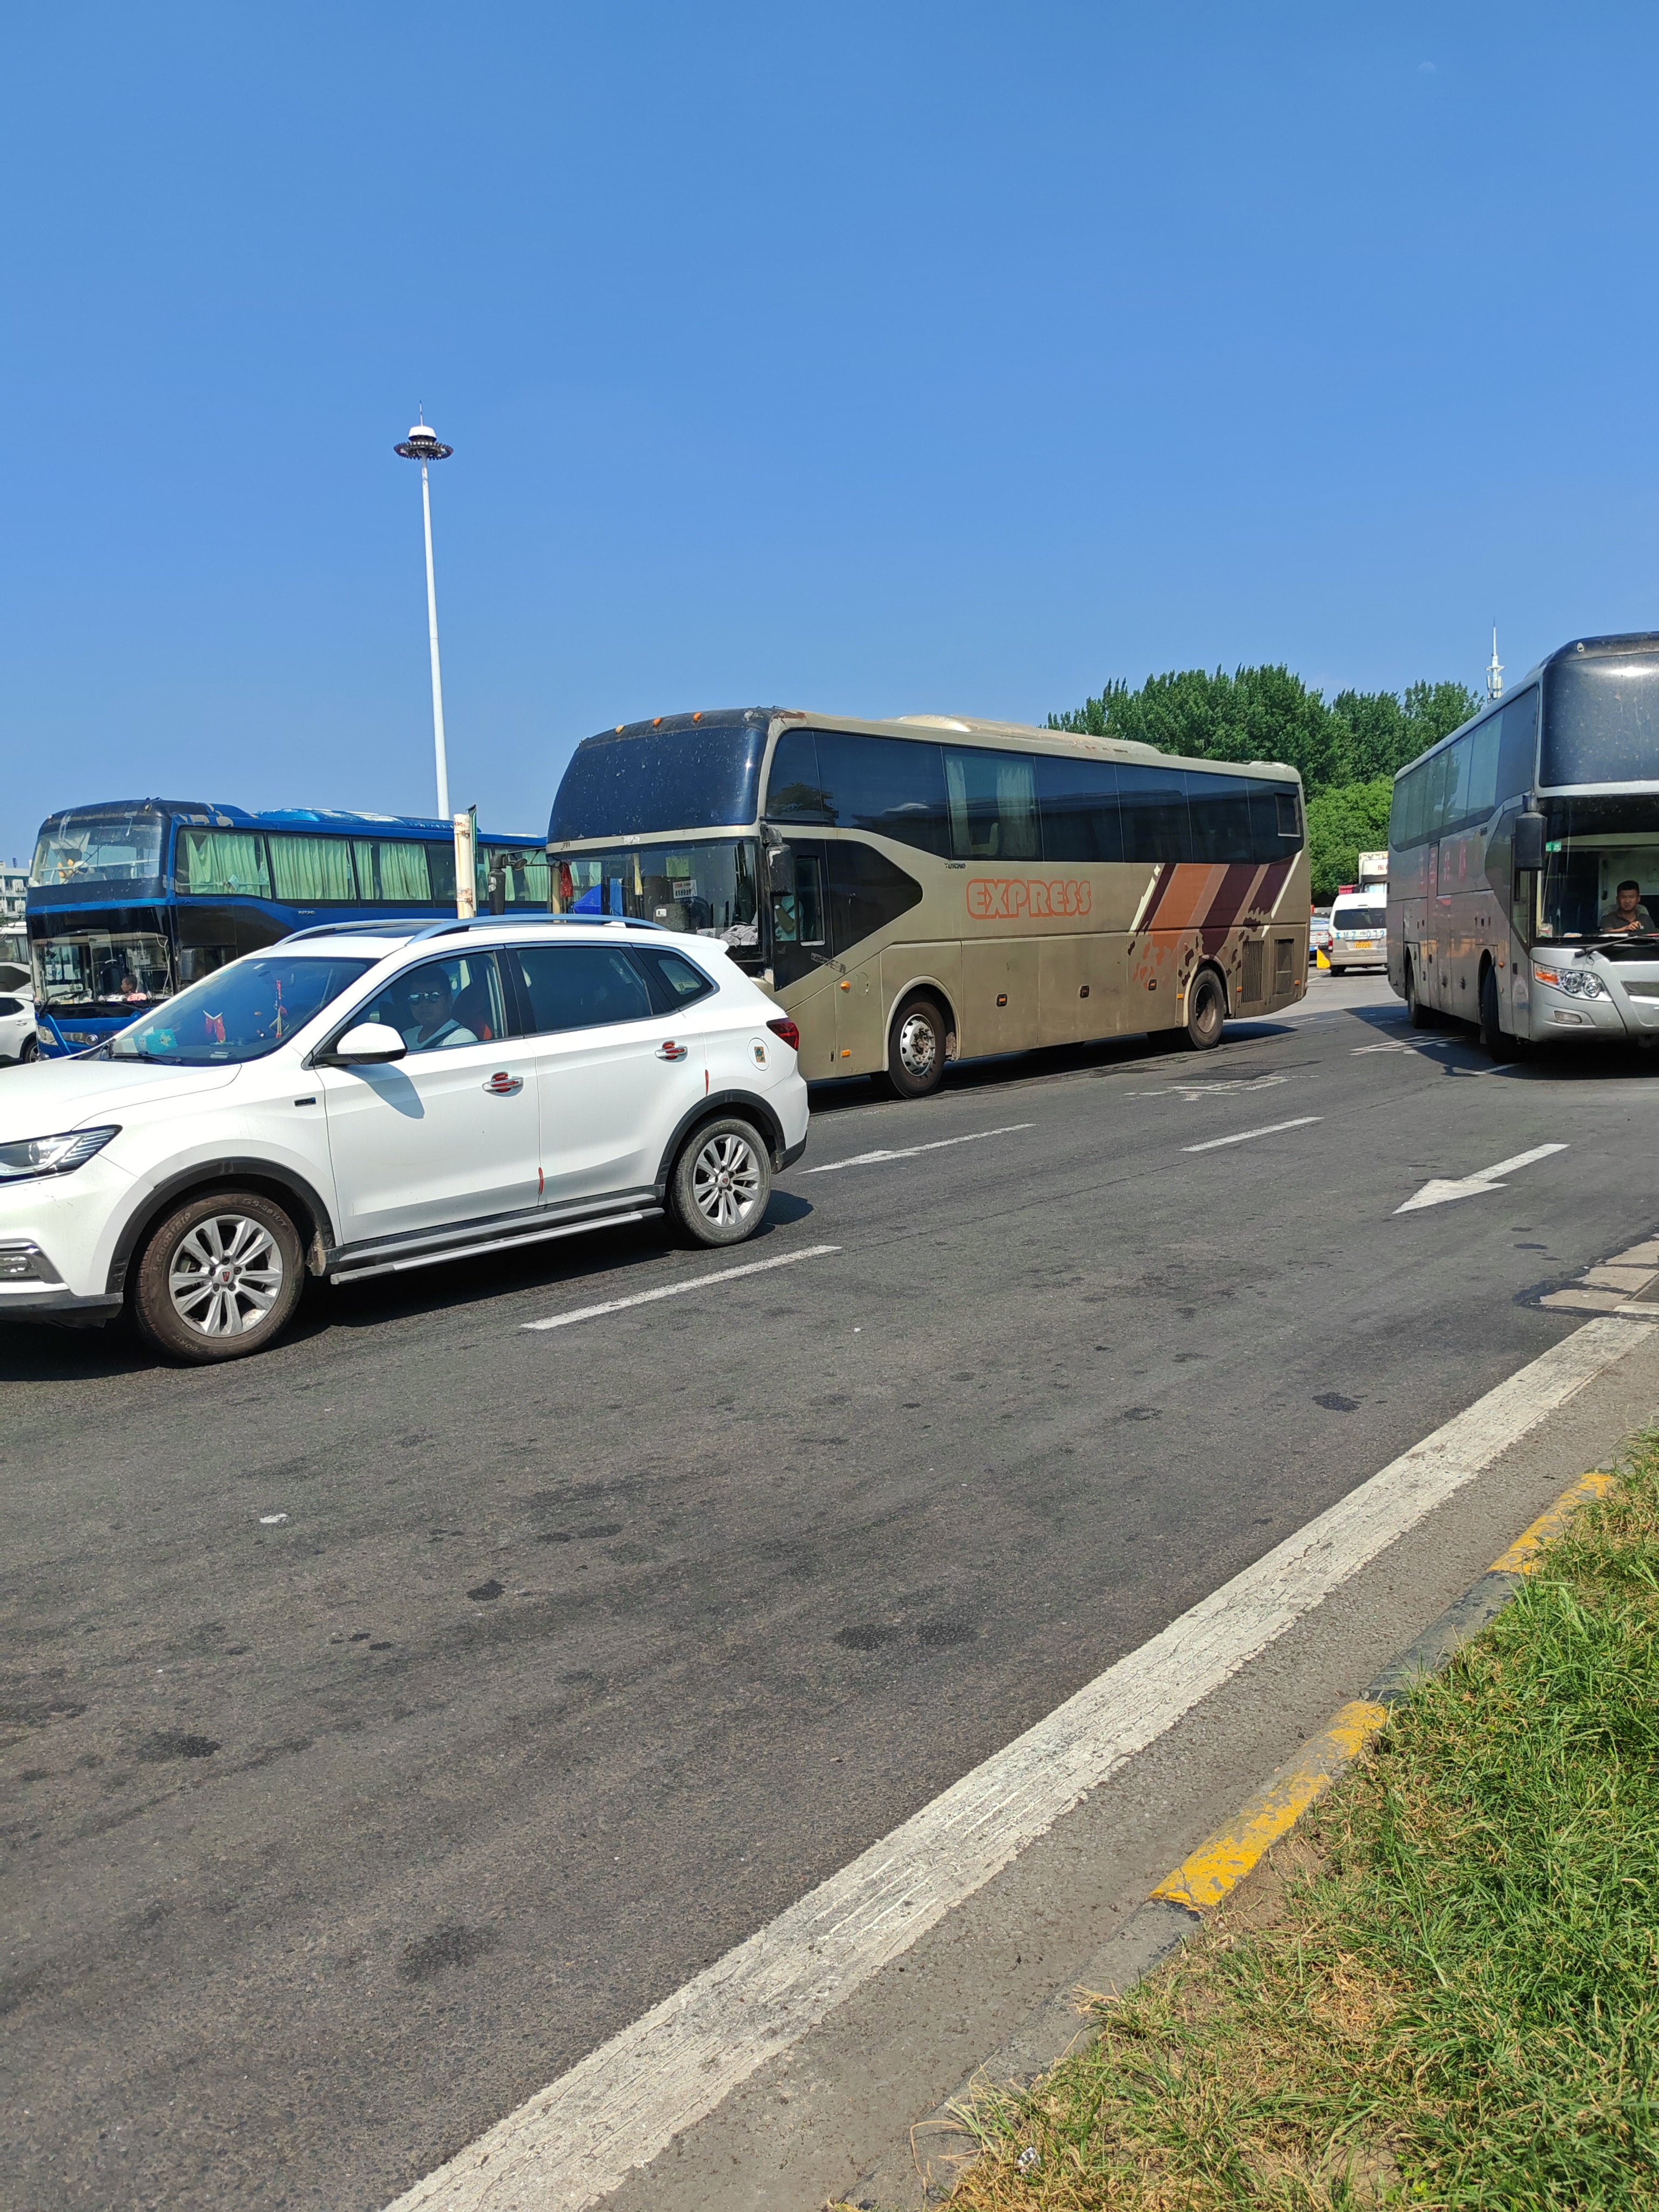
[349, 1275]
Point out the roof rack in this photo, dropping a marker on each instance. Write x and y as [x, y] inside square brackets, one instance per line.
[415, 933]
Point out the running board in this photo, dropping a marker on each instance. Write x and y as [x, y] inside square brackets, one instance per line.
[495, 1244]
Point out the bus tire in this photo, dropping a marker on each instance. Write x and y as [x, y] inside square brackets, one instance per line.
[722, 1181]
[219, 1278]
[1419, 1016]
[1206, 1012]
[1493, 1035]
[916, 1046]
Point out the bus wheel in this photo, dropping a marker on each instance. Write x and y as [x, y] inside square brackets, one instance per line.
[1491, 1030]
[1206, 1011]
[1419, 1016]
[916, 1050]
[219, 1278]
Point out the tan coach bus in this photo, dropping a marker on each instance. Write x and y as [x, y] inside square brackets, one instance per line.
[933, 888]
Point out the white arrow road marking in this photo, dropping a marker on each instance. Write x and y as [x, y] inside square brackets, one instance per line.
[910, 1152]
[1438, 1191]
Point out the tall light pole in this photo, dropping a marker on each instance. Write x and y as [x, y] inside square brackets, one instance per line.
[423, 446]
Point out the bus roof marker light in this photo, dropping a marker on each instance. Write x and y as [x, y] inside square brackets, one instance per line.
[424, 445]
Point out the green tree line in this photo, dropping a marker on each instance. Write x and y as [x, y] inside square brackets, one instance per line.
[1346, 748]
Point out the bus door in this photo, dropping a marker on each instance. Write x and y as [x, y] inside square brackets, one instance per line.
[804, 974]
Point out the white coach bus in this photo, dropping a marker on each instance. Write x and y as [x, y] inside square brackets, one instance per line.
[929, 889]
[1523, 857]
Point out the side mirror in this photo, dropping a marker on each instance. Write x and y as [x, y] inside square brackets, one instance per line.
[780, 870]
[370, 1044]
[1529, 840]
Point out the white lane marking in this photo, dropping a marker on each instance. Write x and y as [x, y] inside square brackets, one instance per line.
[1192, 1090]
[625, 2102]
[1439, 1191]
[910, 1152]
[1244, 1136]
[674, 1290]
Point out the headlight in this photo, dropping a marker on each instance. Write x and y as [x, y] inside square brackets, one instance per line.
[1576, 982]
[50, 1156]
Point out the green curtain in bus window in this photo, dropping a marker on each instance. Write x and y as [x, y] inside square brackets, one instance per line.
[225, 862]
[1153, 801]
[393, 870]
[304, 869]
[1481, 795]
[1517, 751]
[993, 801]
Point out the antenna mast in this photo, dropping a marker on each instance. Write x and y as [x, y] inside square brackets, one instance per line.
[1495, 672]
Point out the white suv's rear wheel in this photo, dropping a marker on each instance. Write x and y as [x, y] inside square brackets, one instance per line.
[721, 1183]
[219, 1278]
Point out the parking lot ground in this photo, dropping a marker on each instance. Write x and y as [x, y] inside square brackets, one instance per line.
[394, 1718]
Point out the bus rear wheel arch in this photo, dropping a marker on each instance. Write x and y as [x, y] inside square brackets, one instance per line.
[1205, 1010]
[920, 1044]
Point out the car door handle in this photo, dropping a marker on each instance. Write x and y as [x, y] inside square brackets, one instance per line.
[672, 1051]
[503, 1085]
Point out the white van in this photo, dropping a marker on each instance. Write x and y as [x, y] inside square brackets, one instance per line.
[1360, 929]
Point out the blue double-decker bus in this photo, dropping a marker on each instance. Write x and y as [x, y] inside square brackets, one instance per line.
[129, 900]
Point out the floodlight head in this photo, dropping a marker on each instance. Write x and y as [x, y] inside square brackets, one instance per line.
[423, 444]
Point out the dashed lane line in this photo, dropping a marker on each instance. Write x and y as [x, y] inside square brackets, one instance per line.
[674, 1290]
[910, 1152]
[623, 2105]
[1244, 1136]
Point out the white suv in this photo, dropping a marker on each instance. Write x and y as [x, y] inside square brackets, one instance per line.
[377, 1096]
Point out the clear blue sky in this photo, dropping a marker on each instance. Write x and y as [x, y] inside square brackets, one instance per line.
[875, 357]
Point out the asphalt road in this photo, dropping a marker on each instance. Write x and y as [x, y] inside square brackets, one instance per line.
[575, 1656]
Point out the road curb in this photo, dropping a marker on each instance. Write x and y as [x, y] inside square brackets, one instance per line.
[941, 2146]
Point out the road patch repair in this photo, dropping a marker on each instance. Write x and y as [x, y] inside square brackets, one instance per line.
[1442, 1989]
[623, 2105]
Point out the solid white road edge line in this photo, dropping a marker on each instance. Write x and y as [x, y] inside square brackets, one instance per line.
[625, 2102]
[939, 1144]
[674, 1290]
[1244, 1136]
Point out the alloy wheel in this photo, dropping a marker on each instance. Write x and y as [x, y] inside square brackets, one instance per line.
[226, 1274]
[725, 1180]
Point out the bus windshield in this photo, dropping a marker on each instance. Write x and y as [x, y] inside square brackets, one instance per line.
[1594, 849]
[707, 890]
[84, 967]
[85, 846]
[634, 783]
[242, 1014]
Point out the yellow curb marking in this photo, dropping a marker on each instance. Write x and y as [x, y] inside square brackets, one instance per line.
[1522, 1557]
[1222, 1860]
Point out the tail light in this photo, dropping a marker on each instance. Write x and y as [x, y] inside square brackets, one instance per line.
[785, 1029]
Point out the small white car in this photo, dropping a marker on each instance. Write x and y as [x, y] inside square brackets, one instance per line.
[374, 1097]
[17, 1034]
[1359, 930]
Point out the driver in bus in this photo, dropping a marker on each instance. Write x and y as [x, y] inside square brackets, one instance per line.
[1630, 914]
[432, 1025]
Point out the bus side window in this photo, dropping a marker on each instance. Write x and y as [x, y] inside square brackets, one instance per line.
[1220, 807]
[794, 793]
[894, 786]
[809, 898]
[1517, 751]
[1154, 821]
[992, 797]
[1482, 794]
[1079, 801]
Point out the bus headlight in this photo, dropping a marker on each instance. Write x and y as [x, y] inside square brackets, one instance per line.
[51, 1156]
[1576, 982]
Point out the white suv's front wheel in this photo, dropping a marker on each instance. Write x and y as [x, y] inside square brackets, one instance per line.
[722, 1182]
[219, 1278]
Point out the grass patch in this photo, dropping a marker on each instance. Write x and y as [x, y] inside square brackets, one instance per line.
[1455, 2001]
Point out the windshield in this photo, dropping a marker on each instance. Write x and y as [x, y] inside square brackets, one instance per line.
[638, 780]
[1601, 874]
[1601, 719]
[113, 846]
[243, 1012]
[92, 967]
[707, 890]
